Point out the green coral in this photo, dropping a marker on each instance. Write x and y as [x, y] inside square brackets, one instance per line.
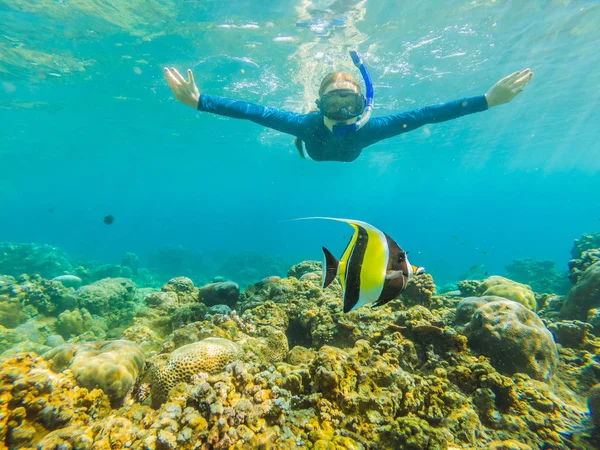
[111, 298]
[74, 323]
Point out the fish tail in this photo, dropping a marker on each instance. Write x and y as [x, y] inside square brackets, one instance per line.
[330, 268]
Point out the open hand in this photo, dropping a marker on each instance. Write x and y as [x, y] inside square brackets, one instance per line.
[508, 88]
[185, 91]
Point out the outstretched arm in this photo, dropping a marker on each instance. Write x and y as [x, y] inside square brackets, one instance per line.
[187, 93]
[388, 126]
[502, 92]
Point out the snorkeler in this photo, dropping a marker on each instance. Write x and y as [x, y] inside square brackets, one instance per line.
[342, 126]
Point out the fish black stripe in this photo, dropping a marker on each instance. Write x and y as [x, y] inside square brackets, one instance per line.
[354, 268]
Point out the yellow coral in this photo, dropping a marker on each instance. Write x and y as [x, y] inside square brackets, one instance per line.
[208, 356]
[112, 366]
[509, 289]
[274, 345]
[515, 292]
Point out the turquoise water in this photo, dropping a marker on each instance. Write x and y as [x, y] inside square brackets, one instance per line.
[90, 128]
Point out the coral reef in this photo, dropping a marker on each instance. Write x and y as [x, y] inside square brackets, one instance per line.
[36, 401]
[44, 260]
[508, 289]
[74, 323]
[304, 267]
[220, 293]
[112, 366]
[579, 265]
[514, 338]
[208, 356]
[542, 276]
[111, 298]
[292, 370]
[586, 242]
[570, 333]
[419, 290]
[594, 403]
[584, 296]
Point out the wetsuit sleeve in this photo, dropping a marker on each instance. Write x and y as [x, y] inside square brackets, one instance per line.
[392, 125]
[284, 121]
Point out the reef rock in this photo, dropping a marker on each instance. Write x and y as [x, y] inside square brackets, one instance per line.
[111, 298]
[45, 260]
[584, 296]
[542, 276]
[586, 242]
[467, 307]
[594, 404]
[71, 281]
[36, 401]
[514, 338]
[304, 267]
[570, 333]
[74, 323]
[224, 293]
[419, 290]
[112, 366]
[183, 288]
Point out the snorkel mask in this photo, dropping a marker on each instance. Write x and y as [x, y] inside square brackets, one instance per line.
[344, 104]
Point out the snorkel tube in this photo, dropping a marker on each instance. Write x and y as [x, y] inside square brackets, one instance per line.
[343, 130]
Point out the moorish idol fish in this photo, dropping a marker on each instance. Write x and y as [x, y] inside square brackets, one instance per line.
[373, 268]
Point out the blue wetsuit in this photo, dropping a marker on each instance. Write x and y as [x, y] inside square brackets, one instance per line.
[322, 144]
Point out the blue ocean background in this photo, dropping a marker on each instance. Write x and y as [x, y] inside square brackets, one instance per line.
[88, 128]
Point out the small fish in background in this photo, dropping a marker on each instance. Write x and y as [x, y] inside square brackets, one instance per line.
[373, 268]
[108, 220]
[69, 280]
[51, 210]
[486, 274]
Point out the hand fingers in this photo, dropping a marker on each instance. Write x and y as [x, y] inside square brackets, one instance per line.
[510, 78]
[173, 83]
[191, 77]
[178, 76]
[524, 79]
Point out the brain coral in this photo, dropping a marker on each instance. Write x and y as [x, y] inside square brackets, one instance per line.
[209, 356]
[584, 296]
[514, 338]
[468, 305]
[508, 289]
[112, 366]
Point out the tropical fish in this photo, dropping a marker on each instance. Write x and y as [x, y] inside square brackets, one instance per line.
[373, 268]
[108, 220]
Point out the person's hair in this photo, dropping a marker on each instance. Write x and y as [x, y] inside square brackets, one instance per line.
[337, 76]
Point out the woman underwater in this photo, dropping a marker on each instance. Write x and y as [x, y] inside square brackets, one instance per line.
[342, 127]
